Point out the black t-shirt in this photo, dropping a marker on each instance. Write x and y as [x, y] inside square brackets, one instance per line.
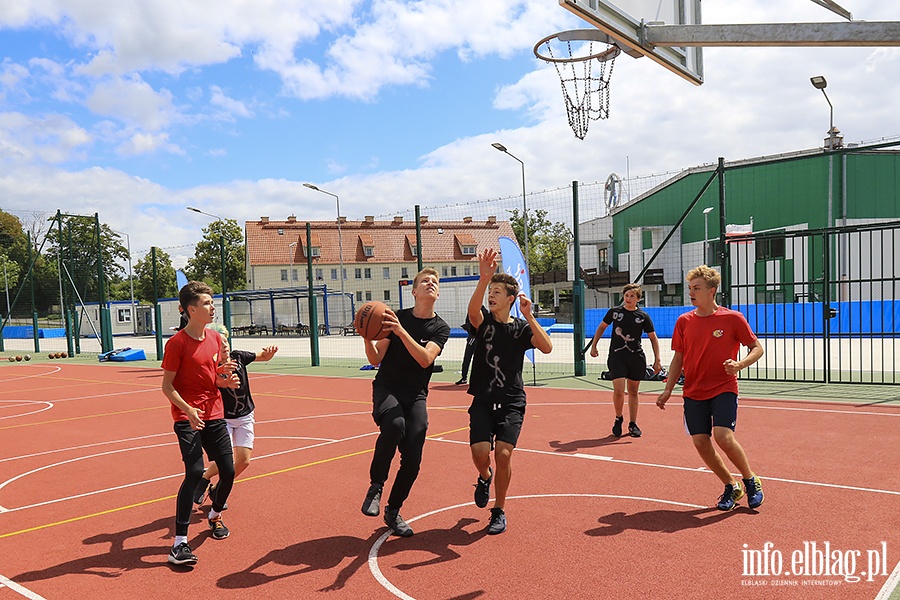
[498, 359]
[398, 367]
[238, 402]
[627, 327]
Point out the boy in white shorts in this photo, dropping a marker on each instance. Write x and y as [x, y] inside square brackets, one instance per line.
[239, 409]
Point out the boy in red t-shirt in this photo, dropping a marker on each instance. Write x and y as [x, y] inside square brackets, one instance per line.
[190, 372]
[706, 342]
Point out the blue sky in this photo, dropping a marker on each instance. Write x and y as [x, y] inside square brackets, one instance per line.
[138, 108]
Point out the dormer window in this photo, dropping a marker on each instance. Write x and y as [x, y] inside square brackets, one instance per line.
[467, 244]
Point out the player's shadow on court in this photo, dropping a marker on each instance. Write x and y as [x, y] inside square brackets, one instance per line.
[576, 445]
[329, 553]
[119, 559]
[658, 521]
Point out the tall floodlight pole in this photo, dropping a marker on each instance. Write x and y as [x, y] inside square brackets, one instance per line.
[337, 200]
[226, 309]
[503, 149]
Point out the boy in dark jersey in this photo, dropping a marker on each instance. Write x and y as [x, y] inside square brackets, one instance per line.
[190, 370]
[239, 412]
[706, 342]
[626, 360]
[399, 392]
[498, 403]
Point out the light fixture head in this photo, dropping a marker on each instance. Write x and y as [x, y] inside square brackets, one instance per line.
[196, 210]
[708, 210]
[310, 186]
[818, 82]
[499, 146]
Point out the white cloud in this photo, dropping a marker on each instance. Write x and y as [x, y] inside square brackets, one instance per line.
[147, 143]
[49, 139]
[228, 108]
[134, 102]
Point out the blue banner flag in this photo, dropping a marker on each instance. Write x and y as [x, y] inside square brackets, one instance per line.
[181, 279]
[513, 263]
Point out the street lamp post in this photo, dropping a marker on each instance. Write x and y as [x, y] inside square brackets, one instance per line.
[834, 142]
[706, 212]
[340, 238]
[291, 271]
[226, 309]
[503, 149]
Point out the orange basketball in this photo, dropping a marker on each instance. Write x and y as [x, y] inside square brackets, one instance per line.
[368, 320]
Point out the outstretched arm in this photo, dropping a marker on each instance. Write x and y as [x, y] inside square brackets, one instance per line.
[487, 265]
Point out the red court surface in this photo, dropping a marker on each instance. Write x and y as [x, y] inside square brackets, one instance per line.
[89, 468]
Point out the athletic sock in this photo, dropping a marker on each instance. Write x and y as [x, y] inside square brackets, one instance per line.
[180, 539]
[213, 514]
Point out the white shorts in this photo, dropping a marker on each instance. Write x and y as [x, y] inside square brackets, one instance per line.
[241, 431]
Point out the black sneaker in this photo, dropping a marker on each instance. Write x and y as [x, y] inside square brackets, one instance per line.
[462, 381]
[370, 506]
[728, 500]
[754, 491]
[182, 555]
[219, 531]
[202, 489]
[617, 427]
[483, 490]
[634, 430]
[396, 523]
[498, 522]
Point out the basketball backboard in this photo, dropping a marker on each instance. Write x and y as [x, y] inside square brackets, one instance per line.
[624, 20]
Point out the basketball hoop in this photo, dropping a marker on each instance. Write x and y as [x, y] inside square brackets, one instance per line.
[574, 53]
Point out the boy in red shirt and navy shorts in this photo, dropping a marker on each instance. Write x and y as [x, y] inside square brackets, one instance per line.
[706, 342]
[190, 373]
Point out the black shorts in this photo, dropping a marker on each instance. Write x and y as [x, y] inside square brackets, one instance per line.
[700, 416]
[627, 364]
[500, 422]
[213, 438]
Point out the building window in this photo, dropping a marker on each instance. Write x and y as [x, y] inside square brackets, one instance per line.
[314, 252]
[414, 249]
[386, 272]
[319, 275]
[468, 250]
[768, 249]
[280, 231]
[359, 296]
[452, 271]
[368, 296]
[367, 273]
[369, 250]
[284, 275]
[334, 274]
[294, 275]
[467, 270]
[603, 260]
[387, 295]
[444, 272]
[357, 273]
[124, 315]
[404, 272]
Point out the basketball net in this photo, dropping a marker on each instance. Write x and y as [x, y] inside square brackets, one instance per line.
[586, 93]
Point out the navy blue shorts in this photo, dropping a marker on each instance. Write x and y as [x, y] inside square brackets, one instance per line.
[489, 422]
[700, 416]
[627, 364]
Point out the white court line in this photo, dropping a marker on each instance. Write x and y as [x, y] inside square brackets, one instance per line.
[373, 551]
[51, 372]
[125, 486]
[22, 591]
[691, 469]
[890, 585]
[47, 406]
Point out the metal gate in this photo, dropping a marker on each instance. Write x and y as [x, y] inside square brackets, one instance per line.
[825, 303]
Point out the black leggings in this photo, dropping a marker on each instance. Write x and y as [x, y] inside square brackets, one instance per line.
[403, 422]
[214, 439]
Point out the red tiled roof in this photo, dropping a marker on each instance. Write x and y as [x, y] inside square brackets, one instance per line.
[392, 240]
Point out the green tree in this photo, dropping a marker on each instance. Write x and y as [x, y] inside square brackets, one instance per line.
[79, 254]
[206, 265]
[548, 242]
[165, 277]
